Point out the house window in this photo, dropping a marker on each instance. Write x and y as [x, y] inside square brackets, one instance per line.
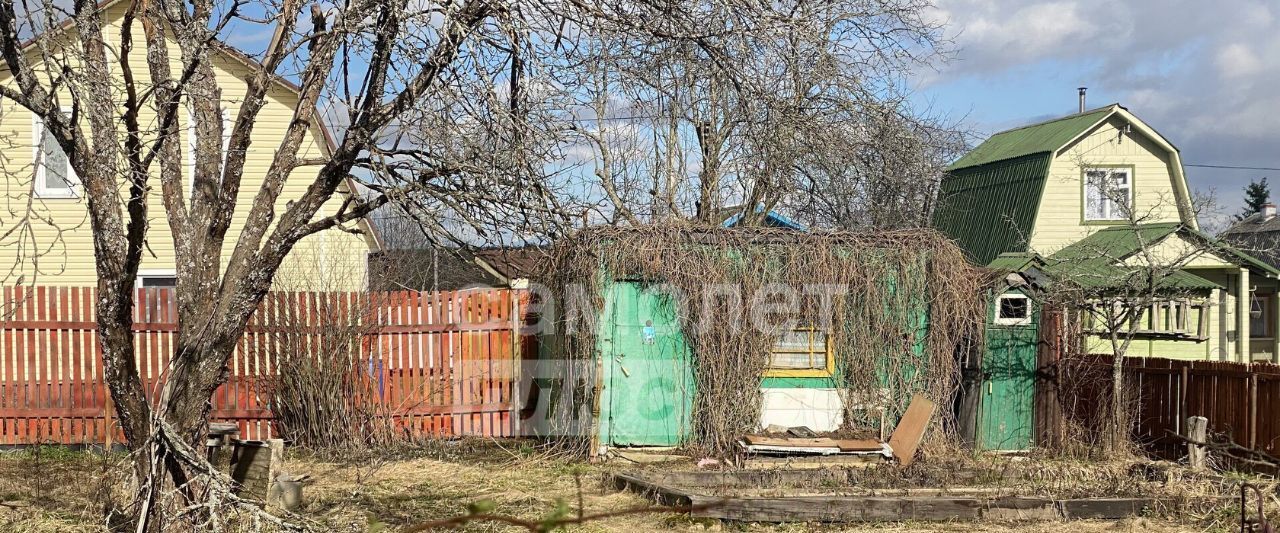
[1013, 310]
[54, 176]
[1107, 192]
[800, 352]
[158, 281]
[1260, 313]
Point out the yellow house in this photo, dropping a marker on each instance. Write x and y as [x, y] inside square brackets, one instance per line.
[1099, 195]
[45, 237]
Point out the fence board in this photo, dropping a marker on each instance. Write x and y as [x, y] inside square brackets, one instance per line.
[438, 364]
[1239, 400]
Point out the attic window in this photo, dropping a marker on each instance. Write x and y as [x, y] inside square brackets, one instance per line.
[1107, 193]
[1013, 310]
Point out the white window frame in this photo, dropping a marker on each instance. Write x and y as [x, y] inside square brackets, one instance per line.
[1110, 212]
[1015, 321]
[153, 273]
[37, 155]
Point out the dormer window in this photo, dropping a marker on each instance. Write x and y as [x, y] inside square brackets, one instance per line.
[1108, 192]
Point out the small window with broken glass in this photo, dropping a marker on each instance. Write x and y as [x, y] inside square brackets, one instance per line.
[801, 349]
[1013, 310]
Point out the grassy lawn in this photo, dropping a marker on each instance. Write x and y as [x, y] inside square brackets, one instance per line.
[51, 489]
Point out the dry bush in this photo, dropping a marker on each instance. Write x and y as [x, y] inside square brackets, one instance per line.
[1084, 385]
[907, 301]
[323, 393]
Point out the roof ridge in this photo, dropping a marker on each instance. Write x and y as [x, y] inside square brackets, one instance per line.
[1111, 106]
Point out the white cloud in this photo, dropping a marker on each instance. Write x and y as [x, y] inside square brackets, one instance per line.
[1204, 73]
[1236, 60]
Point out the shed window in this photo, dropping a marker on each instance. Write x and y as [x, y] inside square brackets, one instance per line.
[1013, 310]
[803, 349]
[1108, 193]
[54, 176]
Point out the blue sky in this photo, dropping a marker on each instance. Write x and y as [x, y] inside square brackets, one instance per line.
[1204, 74]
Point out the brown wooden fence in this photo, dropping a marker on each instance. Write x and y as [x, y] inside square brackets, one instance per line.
[1241, 401]
[438, 364]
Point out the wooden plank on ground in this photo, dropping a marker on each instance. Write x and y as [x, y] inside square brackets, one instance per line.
[1104, 508]
[759, 440]
[859, 445]
[906, 437]
[837, 509]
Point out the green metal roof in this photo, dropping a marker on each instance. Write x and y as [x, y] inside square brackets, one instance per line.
[990, 209]
[1036, 138]
[1096, 261]
[1015, 262]
[1115, 243]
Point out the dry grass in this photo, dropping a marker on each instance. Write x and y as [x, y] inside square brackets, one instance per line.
[55, 490]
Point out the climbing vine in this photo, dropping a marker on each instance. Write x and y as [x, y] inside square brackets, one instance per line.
[896, 307]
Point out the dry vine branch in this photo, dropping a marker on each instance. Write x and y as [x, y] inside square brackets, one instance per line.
[896, 307]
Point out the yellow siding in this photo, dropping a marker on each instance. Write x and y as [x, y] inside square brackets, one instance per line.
[1175, 249]
[330, 260]
[1060, 219]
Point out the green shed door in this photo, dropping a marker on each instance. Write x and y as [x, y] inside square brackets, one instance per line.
[648, 384]
[1008, 378]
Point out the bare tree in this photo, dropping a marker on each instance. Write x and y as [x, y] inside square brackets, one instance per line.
[881, 170]
[679, 130]
[1131, 286]
[450, 108]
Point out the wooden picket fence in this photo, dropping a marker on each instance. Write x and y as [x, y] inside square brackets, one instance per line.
[1240, 400]
[437, 364]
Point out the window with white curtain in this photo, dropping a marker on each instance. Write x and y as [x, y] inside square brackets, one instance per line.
[1107, 192]
[54, 176]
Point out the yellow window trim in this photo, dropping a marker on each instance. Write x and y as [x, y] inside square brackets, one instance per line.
[804, 372]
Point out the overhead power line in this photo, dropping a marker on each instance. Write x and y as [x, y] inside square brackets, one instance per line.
[1234, 167]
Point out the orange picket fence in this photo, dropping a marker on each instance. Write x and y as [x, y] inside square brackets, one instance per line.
[438, 364]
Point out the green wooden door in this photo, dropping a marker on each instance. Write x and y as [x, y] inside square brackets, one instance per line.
[648, 384]
[1008, 387]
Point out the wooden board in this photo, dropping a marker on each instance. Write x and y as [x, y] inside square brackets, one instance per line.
[926, 508]
[805, 505]
[906, 437]
[819, 442]
[1102, 508]
[859, 445]
[837, 509]
[813, 461]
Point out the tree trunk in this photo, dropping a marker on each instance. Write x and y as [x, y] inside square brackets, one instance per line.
[1118, 423]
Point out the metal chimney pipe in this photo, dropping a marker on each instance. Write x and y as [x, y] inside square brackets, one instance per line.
[1082, 90]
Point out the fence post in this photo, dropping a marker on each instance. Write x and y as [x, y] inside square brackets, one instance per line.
[1253, 410]
[1197, 432]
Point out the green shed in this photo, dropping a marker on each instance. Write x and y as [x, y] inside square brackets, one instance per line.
[690, 336]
